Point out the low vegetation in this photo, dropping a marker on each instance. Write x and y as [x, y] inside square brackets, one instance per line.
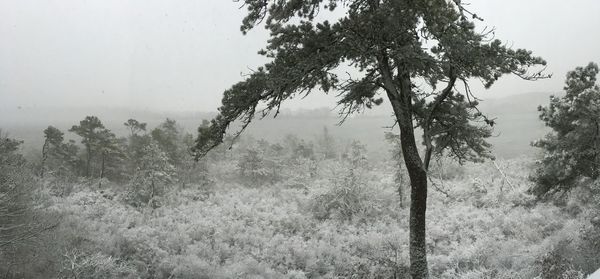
[292, 209]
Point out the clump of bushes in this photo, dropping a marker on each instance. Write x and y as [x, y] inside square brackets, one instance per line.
[344, 195]
[94, 266]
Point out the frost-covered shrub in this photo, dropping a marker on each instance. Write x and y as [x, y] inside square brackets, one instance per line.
[555, 265]
[447, 170]
[94, 266]
[481, 230]
[347, 190]
[188, 267]
[347, 193]
[344, 201]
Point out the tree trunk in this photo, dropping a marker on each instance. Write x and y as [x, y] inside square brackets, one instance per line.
[418, 203]
[400, 182]
[89, 159]
[44, 157]
[418, 207]
[401, 103]
[102, 169]
[399, 92]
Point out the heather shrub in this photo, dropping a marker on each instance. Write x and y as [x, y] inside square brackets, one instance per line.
[94, 266]
[345, 194]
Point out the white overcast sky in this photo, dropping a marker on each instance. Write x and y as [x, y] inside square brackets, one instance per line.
[182, 54]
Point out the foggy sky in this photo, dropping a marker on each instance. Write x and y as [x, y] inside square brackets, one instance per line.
[182, 54]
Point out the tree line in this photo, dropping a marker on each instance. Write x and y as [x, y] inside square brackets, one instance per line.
[155, 157]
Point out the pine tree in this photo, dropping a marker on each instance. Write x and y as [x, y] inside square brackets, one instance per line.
[135, 127]
[168, 137]
[572, 149]
[88, 130]
[53, 140]
[394, 45]
[111, 154]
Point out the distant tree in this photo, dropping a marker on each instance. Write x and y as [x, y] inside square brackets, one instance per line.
[69, 163]
[53, 140]
[152, 177]
[572, 149]
[290, 143]
[88, 129]
[168, 137]
[111, 153]
[356, 154]
[357, 159]
[192, 171]
[304, 150]
[135, 144]
[327, 144]
[134, 127]
[395, 46]
[256, 169]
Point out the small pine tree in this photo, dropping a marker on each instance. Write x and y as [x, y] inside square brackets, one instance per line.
[256, 169]
[154, 174]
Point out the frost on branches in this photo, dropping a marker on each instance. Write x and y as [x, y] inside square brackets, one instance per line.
[151, 178]
[572, 149]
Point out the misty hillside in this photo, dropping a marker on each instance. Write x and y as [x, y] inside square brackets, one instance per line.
[517, 123]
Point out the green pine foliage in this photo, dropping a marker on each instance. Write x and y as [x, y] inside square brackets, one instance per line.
[572, 150]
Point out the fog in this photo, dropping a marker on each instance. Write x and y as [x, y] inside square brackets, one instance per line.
[108, 170]
[181, 55]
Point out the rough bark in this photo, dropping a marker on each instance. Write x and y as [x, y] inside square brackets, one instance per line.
[418, 199]
[44, 157]
[399, 94]
[102, 169]
[88, 161]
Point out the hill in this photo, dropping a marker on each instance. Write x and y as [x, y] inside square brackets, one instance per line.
[516, 117]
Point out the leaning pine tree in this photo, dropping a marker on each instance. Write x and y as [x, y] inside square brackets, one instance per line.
[414, 53]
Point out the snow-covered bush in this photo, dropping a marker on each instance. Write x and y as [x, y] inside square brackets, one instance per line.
[94, 266]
